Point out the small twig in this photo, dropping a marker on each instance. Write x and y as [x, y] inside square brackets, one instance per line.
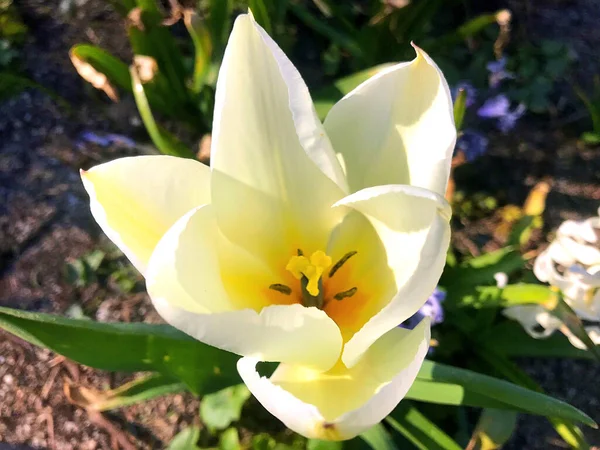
[118, 438]
[47, 417]
[50, 381]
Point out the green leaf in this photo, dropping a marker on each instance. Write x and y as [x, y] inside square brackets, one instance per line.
[445, 393]
[567, 316]
[521, 231]
[127, 347]
[509, 338]
[317, 444]
[419, 430]
[591, 138]
[481, 270]
[494, 429]
[511, 295]
[219, 20]
[460, 107]
[203, 48]
[164, 141]
[378, 438]
[335, 35]
[261, 14]
[115, 70]
[220, 409]
[502, 391]
[186, 439]
[567, 430]
[229, 440]
[157, 41]
[470, 28]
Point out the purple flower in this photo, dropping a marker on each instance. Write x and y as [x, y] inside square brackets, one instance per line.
[470, 91]
[90, 136]
[497, 70]
[121, 140]
[472, 144]
[105, 140]
[498, 107]
[494, 107]
[432, 308]
[509, 120]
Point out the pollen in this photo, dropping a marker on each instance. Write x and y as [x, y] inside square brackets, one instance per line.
[312, 269]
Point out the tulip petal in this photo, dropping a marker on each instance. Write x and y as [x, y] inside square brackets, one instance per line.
[413, 225]
[269, 152]
[135, 200]
[342, 403]
[396, 128]
[366, 271]
[185, 280]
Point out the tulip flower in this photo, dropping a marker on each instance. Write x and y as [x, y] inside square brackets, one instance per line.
[304, 243]
[571, 263]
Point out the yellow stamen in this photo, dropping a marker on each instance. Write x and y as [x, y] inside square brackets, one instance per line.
[297, 265]
[312, 269]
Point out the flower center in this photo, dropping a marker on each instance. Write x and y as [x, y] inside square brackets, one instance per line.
[310, 273]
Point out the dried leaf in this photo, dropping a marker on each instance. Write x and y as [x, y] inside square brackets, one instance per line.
[92, 76]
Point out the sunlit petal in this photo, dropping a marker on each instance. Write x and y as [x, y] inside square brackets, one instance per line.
[396, 128]
[135, 200]
[266, 145]
[185, 282]
[342, 403]
[413, 225]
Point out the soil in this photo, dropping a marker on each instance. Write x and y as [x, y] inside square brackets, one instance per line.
[45, 223]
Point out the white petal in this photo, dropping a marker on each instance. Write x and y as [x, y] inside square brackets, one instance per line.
[530, 316]
[342, 403]
[187, 282]
[592, 332]
[266, 145]
[396, 128]
[413, 225]
[135, 200]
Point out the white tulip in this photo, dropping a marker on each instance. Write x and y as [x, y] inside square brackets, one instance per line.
[572, 264]
[304, 243]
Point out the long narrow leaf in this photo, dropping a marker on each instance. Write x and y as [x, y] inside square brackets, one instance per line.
[493, 430]
[165, 142]
[570, 319]
[444, 393]
[378, 438]
[114, 69]
[567, 430]
[418, 429]
[261, 14]
[342, 39]
[504, 392]
[203, 48]
[127, 347]
[460, 107]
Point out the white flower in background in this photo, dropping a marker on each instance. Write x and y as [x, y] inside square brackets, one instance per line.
[304, 243]
[572, 264]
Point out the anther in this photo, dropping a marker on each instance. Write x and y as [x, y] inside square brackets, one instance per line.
[338, 265]
[345, 294]
[281, 288]
[300, 252]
